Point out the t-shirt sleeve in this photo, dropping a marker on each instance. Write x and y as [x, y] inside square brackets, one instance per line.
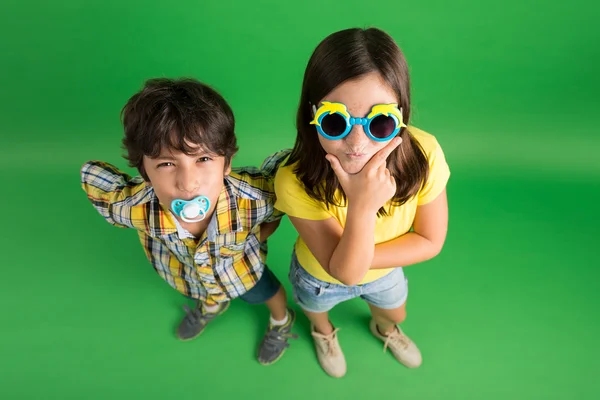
[293, 200]
[439, 172]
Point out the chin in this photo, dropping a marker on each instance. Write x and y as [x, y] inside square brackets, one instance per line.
[353, 167]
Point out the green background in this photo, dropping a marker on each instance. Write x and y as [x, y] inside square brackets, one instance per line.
[508, 310]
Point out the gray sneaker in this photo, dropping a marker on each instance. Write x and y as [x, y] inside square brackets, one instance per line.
[196, 320]
[275, 341]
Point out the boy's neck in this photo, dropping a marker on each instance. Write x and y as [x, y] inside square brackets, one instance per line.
[196, 228]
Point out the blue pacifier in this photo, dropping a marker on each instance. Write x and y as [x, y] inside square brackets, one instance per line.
[191, 210]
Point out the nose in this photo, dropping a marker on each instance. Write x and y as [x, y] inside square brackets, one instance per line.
[357, 138]
[187, 180]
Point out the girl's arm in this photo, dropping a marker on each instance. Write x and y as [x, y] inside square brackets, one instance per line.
[343, 253]
[425, 242]
[347, 254]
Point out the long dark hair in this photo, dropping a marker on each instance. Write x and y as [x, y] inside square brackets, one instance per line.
[342, 56]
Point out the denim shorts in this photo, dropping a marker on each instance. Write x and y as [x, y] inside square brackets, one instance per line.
[314, 295]
[266, 287]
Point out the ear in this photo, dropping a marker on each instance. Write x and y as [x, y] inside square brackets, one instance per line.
[142, 171]
[228, 165]
[146, 180]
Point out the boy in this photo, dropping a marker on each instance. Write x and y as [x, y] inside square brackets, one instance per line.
[202, 225]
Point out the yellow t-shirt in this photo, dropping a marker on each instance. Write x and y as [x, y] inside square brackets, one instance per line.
[293, 200]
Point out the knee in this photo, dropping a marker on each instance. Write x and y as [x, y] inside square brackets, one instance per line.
[398, 316]
[393, 316]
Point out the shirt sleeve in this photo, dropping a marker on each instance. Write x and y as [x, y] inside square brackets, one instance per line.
[439, 173]
[113, 193]
[292, 198]
[269, 169]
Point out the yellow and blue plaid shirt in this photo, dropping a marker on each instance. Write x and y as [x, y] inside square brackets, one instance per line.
[227, 260]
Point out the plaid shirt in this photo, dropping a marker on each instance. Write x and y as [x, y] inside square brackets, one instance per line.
[227, 260]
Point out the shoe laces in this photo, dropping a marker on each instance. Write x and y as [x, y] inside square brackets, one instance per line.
[192, 316]
[198, 314]
[329, 342]
[397, 339]
[275, 340]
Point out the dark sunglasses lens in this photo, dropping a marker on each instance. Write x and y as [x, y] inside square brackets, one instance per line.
[333, 124]
[382, 127]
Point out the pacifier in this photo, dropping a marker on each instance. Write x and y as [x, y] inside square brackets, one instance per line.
[191, 210]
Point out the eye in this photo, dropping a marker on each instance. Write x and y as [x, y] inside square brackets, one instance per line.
[165, 164]
[204, 159]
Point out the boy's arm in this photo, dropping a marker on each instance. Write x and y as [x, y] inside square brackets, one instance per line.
[272, 219]
[112, 192]
[267, 229]
[269, 169]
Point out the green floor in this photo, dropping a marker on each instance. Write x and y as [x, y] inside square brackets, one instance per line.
[509, 310]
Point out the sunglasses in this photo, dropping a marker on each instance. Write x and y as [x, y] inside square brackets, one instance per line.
[334, 122]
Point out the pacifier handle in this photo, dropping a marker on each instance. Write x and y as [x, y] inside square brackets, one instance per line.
[202, 216]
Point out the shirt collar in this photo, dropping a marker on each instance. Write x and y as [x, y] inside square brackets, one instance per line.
[225, 218]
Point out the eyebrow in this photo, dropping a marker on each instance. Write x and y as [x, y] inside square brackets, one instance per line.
[167, 157]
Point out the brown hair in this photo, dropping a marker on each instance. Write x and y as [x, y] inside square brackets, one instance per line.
[342, 56]
[178, 114]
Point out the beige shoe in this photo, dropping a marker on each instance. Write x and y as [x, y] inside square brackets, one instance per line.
[401, 346]
[329, 353]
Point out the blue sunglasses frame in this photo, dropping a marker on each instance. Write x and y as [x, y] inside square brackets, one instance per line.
[327, 108]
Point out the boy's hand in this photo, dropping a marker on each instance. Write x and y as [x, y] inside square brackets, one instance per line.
[267, 229]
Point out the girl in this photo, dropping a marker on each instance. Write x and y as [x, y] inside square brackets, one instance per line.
[356, 182]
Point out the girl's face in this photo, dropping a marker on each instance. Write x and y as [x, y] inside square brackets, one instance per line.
[359, 95]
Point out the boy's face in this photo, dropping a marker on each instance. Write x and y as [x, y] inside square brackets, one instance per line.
[176, 175]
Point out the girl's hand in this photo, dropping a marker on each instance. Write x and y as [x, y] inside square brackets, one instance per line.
[373, 186]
